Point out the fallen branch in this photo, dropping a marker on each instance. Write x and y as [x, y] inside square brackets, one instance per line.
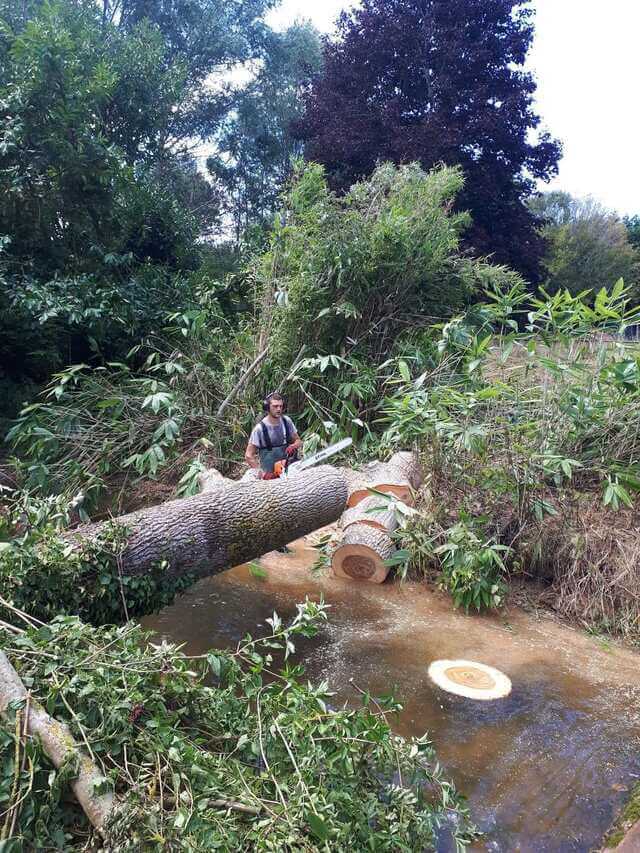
[58, 744]
[238, 386]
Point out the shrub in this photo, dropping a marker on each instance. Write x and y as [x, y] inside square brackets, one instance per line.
[216, 752]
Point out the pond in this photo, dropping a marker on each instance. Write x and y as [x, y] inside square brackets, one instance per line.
[544, 769]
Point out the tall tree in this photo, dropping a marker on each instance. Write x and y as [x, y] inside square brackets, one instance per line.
[588, 246]
[438, 81]
[632, 224]
[255, 147]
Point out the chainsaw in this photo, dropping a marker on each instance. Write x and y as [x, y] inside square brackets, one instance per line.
[286, 468]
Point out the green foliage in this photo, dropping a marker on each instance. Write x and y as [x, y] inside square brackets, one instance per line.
[531, 400]
[386, 249]
[100, 201]
[48, 575]
[126, 417]
[255, 146]
[472, 566]
[348, 281]
[216, 752]
[98, 422]
[587, 246]
[632, 224]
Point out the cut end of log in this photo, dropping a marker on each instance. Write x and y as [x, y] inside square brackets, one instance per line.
[362, 554]
[360, 563]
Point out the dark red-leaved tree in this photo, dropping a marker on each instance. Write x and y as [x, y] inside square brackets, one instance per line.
[438, 81]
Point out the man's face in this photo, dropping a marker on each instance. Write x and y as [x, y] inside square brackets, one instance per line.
[275, 408]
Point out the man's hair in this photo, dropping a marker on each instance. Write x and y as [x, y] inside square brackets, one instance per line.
[275, 395]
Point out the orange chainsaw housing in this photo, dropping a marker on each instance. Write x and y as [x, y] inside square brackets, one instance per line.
[280, 467]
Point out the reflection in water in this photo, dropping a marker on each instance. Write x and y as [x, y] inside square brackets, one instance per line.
[544, 768]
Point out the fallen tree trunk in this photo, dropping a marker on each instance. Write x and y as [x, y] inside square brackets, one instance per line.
[231, 524]
[58, 743]
[370, 519]
[400, 476]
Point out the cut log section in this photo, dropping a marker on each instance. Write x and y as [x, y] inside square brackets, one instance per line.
[400, 476]
[361, 554]
[370, 519]
[376, 511]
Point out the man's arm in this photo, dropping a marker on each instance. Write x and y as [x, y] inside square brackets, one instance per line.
[296, 444]
[296, 441]
[251, 456]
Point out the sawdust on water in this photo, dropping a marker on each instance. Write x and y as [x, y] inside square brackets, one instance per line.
[544, 768]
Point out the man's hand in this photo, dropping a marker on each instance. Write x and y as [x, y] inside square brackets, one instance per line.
[291, 450]
[268, 475]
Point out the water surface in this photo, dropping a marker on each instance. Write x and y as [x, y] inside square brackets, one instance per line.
[544, 769]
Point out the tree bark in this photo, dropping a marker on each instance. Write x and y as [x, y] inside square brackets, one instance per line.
[58, 744]
[400, 476]
[233, 523]
[370, 519]
[375, 510]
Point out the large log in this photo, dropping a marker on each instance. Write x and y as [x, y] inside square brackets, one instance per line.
[233, 523]
[370, 519]
[58, 743]
[361, 554]
[400, 476]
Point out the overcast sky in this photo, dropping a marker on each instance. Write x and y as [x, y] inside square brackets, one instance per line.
[586, 59]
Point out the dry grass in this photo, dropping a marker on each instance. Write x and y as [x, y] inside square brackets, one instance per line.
[590, 556]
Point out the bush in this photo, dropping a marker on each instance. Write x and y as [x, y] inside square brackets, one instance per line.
[516, 425]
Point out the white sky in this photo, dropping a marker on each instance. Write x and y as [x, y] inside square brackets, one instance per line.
[586, 59]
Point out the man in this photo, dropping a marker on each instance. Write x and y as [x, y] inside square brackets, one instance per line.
[273, 439]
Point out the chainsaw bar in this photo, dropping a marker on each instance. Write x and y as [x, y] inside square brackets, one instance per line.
[320, 456]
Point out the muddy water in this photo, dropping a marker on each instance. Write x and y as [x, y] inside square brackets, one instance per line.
[544, 769]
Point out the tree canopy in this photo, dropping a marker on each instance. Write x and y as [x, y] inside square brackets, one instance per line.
[255, 146]
[438, 81]
[588, 246]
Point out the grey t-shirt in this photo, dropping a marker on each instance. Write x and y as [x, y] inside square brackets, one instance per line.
[277, 433]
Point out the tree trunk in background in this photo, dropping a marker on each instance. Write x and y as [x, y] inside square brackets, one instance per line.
[233, 523]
